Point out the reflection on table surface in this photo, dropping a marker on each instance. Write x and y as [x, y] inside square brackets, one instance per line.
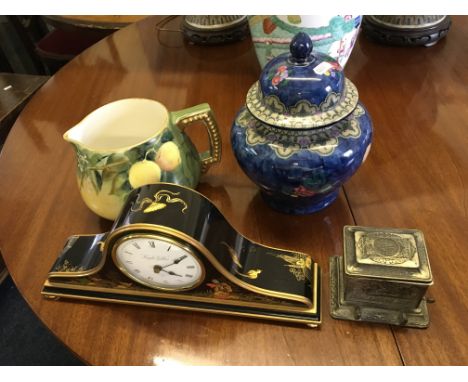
[416, 176]
[94, 21]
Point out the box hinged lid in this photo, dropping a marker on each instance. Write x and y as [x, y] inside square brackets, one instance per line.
[386, 253]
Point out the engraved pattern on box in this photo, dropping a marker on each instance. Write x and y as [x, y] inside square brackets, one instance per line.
[384, 248]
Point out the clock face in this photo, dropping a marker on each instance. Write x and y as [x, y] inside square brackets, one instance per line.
[158, 262]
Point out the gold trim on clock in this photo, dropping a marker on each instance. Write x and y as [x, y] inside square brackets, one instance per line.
[201, 248]
[96, 269]
[277, 305]
[163, 238]
[184, 297]
[88, 272]
[310, 323]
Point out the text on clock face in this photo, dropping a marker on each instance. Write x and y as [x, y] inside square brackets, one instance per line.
[159, 263]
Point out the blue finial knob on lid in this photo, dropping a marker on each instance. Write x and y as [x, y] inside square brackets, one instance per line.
[301, 48]
[301, 84]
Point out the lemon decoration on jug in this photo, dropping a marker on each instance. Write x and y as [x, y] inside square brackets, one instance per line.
[133, 142]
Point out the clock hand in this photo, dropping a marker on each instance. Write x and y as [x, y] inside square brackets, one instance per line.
[171, 273]
[176, 261]
[158, 268]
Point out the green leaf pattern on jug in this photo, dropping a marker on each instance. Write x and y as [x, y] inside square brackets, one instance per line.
[113, 169]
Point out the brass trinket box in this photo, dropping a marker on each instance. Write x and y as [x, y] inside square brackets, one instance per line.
[382, 277]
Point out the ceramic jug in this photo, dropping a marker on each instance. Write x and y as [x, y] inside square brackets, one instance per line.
[303, 131]
[132, 142]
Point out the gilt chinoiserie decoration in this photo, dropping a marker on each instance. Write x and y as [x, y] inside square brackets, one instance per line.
[171, 247]
[382, 277]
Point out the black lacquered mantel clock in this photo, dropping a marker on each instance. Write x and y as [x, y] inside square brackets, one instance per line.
[171, 247]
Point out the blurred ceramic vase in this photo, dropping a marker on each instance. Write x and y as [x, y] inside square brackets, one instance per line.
[332, 35]
[303, 131]
[413, 30]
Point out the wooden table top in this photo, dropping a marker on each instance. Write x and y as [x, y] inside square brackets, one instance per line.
[15, 91]
[112, 22]
[416, 176]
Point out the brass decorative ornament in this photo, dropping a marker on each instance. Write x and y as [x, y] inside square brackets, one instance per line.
[382, 277]
[170, 247]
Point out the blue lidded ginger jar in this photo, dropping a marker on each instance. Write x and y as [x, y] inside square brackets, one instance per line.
[303, 131]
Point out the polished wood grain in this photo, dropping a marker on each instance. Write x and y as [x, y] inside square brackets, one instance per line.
[40, 204]
[15, 91]
[111, 22]
[417, 174]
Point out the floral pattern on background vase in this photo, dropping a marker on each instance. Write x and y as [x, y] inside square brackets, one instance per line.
[332, 35]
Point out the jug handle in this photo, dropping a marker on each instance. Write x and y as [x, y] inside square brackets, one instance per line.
[202, 112]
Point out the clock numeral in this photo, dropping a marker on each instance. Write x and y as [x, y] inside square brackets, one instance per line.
[130, 253]
[188, 275]
[150, 278]
[190, 266]
[137, 271]
[169, 247]
[152, 245]
[136, 245]
[129, 262]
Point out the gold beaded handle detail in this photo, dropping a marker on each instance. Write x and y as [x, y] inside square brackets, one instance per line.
[202, 112]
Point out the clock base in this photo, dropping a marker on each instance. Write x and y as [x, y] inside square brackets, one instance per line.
[55, 291]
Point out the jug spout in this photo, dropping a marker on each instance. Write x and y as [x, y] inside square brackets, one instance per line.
[74, 135]
[120, 126]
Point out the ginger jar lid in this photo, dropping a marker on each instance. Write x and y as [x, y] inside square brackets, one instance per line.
[302, 89]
